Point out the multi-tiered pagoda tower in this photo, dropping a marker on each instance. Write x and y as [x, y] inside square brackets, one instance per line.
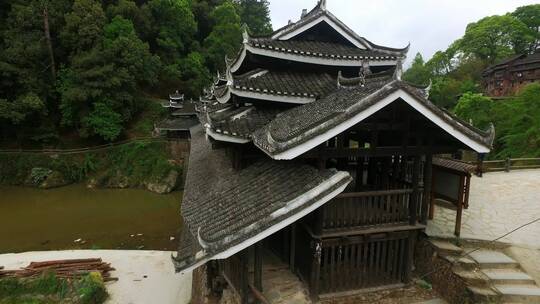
[313, 149]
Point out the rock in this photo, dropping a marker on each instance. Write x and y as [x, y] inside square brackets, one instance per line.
[54, 180]
[166, 185]
[118, 181]
[92, 183]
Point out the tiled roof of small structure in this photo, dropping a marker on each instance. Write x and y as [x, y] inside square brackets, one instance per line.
[455, 165]
[285, 83]
[332, 50]
[238, 122]
[305, 122]
[222, 207]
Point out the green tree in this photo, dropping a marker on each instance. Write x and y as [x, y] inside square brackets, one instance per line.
[225, 38]
[104, 121]
[110, 74]
[530, 16]
[523, 136]
[475, 108]
[173, 27]
[256, 14]
[84, 25]
[496, 37]
[129, 10]
[18, 110]
[445, 92]
[202, 10]
[418, 73]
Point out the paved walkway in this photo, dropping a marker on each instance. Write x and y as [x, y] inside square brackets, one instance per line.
[499, 202]
[144, 276]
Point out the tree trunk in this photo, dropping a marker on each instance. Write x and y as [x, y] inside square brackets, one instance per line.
[48, 39]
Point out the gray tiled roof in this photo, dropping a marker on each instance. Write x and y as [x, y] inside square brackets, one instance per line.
[224, 207]
[320, 49]
[454, 164]
[286, 83]
[302, 123]
[238, 122]
[318, 12]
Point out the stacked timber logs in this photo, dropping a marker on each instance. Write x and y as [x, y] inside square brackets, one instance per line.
[67, 269]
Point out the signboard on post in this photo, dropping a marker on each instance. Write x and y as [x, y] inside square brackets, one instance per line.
[451, 183]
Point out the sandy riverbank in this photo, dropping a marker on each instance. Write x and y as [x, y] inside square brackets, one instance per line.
[145, 277]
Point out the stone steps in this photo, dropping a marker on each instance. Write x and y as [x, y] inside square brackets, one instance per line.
[519, 293]
[508, 276]
[446, 248]
[488, 259]
[492, 276]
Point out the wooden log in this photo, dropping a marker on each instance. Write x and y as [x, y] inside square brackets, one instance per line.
[56, 262]
[258, 295]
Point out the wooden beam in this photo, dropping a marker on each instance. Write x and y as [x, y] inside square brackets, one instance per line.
[258, 264]
[413, 207]
[326, 153]
[316, 246]
[457, 230]
[409, 256]
[244, 278]
[259, 296]
[293, 248]
[428, 177]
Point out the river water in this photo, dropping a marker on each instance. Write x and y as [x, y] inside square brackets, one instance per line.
[75, 217]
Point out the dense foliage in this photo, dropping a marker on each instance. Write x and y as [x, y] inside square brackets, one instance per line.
[138, 162]
[517, 120]
[458, 69]
[87, 66]
[456, 76]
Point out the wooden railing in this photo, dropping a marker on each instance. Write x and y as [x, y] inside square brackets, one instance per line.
[364, 209]
[510, 164]
[364, 262]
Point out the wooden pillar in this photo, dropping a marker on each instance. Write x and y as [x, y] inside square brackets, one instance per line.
[359, 173]
[237, 157]
[395, 172]
[386, 172]
[457, 230]
[413, 204]
[428, 177]
[244, 276]
[258, 262]
[409, 256]
[293, 247]
[480, 165]
[315, 269]
[432, 198]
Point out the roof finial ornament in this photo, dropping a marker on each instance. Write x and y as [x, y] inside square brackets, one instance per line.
[245, 34]
[428, 89]
[366, 69]
[203, 244]
[304, 13]
[322, 5]
[399, 69]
